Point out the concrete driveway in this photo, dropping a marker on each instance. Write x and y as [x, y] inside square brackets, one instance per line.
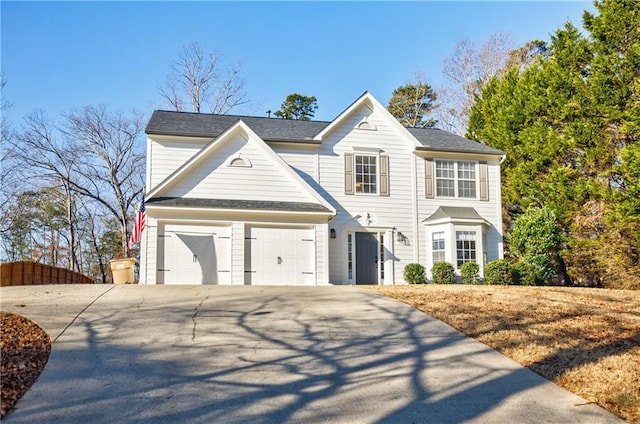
[207, 354]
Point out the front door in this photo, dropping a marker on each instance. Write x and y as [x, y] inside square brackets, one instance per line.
[366, 258]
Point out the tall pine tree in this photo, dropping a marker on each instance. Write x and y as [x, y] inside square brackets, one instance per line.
[569, 124]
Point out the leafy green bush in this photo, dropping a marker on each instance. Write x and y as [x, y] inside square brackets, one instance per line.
[443, 273]
[469, 272]
[523, 274]
[534, 270]
[535, 232]
[534, 241]
[414, 274]
[499, 272]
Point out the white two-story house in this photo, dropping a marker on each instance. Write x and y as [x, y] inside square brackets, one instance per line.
[256, 200]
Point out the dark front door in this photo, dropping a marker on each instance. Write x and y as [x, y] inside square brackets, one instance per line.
[366, 258]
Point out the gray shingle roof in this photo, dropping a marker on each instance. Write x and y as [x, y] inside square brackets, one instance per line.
[210, 125]
[440, 140]
[454, 213]
[237, 204]
[274, 129]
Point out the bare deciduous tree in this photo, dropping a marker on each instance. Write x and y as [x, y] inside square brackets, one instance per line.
[93, 158]
[197, 76]
[468, 69]
[44, 158]
[110, 162]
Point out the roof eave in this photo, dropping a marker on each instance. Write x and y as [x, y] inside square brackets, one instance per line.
[152, 207]
[421, 149]
[453, 220]
[180, 134]
[293, 141]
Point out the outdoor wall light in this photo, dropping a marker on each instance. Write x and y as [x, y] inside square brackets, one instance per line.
[332, 233]
[402, 238]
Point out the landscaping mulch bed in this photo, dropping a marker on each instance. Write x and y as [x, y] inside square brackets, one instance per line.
[585, 340]
[24, 350]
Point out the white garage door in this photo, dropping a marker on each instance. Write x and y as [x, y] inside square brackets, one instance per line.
[195, 254]
[280, 256]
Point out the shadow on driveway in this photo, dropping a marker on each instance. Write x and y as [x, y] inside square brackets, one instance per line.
[277, 354]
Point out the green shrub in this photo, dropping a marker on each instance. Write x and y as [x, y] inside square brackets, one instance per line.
[535, 270]
[523, 274]
[499, 272]
[535, 232]
[414, 274]
[443, 273]
[534, 240]
[469, 272]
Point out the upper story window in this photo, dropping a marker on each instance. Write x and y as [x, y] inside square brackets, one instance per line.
[455, 179]
[366, 174]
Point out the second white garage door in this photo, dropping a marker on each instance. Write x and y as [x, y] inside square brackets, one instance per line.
[279, 256]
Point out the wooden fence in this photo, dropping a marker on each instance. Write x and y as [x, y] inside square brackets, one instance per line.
[32, 273]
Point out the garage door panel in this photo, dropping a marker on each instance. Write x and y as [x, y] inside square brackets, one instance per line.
[196, 254]
[280, 256]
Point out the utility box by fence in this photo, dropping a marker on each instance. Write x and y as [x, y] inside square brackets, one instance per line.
[123, 270]
[33, 273]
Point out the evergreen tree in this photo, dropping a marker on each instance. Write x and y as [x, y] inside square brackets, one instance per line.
[569, 123]
[411, 103]
[297, 106]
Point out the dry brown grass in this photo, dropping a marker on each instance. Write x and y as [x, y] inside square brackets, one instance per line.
[585, 340]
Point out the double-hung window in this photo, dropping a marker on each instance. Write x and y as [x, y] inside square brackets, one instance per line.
[366, 174]
[465, 247]
[437, 247]
[445, 178]
[455, 179]
[467, 180]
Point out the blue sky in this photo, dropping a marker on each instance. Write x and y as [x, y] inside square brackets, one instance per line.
[60, 56]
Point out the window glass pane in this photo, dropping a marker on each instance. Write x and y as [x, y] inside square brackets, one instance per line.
[465, 247]
[366, 174]
[467, 189]
[445, 178]
[467, 180]
[467, 170]
[437, 247]
[445, 188]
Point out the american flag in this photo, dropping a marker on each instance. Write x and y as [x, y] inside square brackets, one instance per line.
[138, 226]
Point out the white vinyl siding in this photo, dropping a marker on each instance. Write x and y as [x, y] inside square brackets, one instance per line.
[237, 252]
[168, 156]
[213, 179]
[149, 244]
